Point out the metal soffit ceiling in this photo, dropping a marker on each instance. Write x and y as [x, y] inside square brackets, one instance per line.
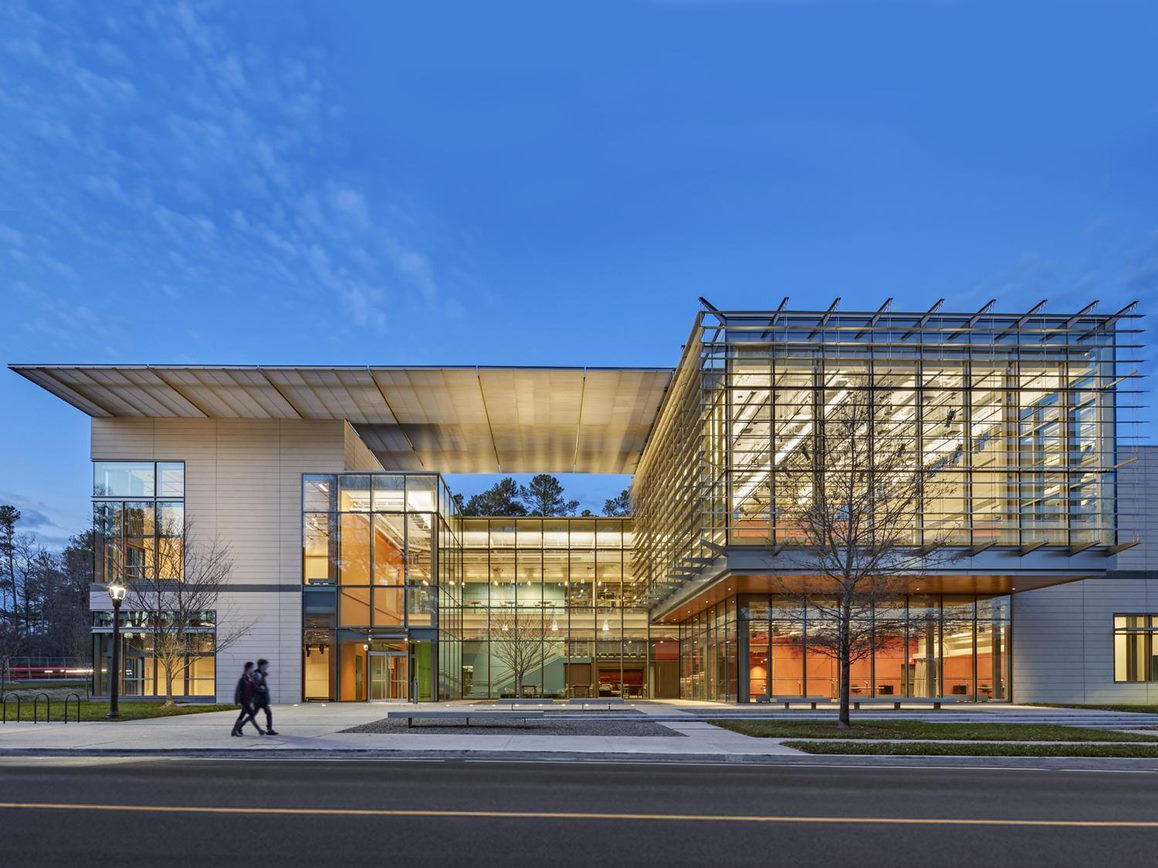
[457, 420]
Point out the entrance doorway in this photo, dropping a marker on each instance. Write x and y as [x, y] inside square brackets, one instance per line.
[389, 675]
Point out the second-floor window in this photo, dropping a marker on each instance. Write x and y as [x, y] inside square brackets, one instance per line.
[138, 519]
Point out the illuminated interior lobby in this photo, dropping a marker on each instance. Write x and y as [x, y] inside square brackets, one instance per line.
[363, 582]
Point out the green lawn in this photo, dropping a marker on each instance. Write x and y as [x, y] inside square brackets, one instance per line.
[916, 729]
[90, 710]
[919, 748]
[1143, 709]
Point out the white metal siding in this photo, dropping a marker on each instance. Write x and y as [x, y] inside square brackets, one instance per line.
[243, 486]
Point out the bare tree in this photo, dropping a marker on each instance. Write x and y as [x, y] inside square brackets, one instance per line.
[175, 593]
[517, 641]
[27, 569]
[851, 486]
[10, 633]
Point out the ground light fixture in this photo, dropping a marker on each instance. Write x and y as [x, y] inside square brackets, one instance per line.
[117, 593]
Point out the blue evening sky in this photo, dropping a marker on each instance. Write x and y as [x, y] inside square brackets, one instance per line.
[539, 183]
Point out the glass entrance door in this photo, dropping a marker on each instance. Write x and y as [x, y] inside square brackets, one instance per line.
[389, 675]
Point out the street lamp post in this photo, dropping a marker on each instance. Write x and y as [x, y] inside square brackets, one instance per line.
[117, 594]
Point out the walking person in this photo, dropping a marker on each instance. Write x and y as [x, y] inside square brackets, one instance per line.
[244, 695]
[261, 699]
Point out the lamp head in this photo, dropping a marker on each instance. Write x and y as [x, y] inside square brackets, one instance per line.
[117, 592]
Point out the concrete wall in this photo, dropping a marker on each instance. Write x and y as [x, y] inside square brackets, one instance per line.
[1063, 636]
[243, 487]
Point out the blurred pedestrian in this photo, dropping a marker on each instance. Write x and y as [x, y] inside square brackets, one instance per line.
[261, 699]
[244, 695]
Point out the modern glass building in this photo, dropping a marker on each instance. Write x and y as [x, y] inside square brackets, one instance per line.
[355, 573]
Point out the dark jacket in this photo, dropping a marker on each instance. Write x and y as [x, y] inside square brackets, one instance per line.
[245, 690]
[260, 688]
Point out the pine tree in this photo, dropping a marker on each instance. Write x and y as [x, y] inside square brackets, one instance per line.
[618, 505]
[502, 498]
[544, 496]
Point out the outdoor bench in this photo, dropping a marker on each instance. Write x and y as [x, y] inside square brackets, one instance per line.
[811, 701]
[896, 701]
[524, 702]
[604, 700]
[414, 714]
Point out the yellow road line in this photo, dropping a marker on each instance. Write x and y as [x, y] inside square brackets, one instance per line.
[573, 815]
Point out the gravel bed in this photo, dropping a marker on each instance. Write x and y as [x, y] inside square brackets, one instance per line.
[616, 728]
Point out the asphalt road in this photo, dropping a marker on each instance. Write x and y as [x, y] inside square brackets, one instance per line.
[372, 812]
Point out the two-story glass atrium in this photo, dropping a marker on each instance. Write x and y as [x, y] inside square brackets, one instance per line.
[401, 593]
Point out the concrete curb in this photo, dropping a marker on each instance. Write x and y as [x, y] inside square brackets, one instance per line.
[1109, 764]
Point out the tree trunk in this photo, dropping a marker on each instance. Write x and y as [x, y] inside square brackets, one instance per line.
[845, 671]
[844, 664]
[169, 703]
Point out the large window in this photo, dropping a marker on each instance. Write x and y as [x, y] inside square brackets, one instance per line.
[138, 519]
[924, 646]
[1135, 648]
[141, 673]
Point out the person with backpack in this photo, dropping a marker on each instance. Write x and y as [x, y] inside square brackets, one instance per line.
[244, 695]
[261, 700]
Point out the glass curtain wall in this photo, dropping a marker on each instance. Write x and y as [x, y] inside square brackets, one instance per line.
[380, 551]
[1016, 414]
[679, 506]
[1017, 421]
[708, 654]
[931, 645]
[550, 607]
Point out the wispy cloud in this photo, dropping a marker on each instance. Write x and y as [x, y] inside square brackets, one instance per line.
[156, 142]
[1142, 267]
[42, 520]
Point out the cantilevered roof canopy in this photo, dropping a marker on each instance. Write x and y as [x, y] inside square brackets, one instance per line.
[457, 420]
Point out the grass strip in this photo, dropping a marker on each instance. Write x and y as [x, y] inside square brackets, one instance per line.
[1141, 709]
[91, 710]
[916, 729]
[918, 748]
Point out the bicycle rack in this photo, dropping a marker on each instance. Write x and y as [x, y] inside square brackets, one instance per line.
[36, 706]
[70, 696]
[4, 704]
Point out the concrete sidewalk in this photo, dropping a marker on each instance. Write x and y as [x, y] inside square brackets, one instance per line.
[318, 729]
